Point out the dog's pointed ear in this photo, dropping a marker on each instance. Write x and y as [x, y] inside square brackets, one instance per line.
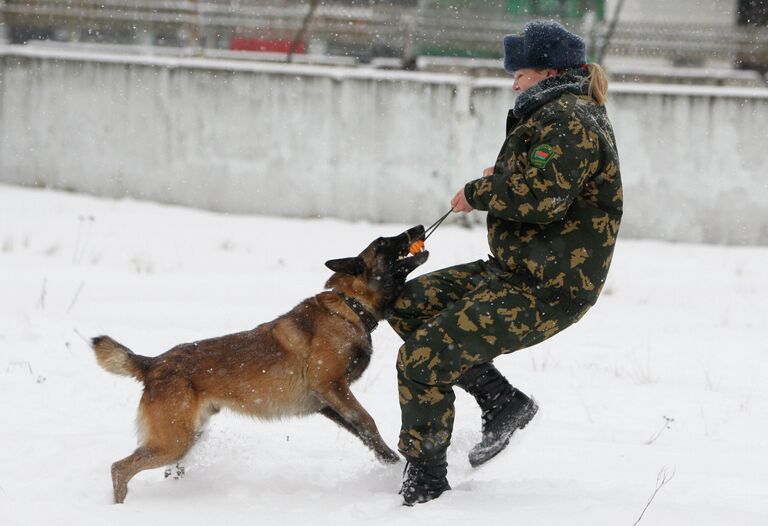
[352, 266]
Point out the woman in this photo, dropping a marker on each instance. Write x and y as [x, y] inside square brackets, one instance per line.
[554, 203]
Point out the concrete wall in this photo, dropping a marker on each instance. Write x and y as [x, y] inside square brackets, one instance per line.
[356, 144]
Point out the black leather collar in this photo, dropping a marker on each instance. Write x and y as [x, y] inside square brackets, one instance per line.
[369, 320]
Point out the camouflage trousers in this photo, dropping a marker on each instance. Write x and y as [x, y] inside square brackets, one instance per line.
[450, 320]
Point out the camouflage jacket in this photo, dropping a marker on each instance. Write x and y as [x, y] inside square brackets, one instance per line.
[554, 200]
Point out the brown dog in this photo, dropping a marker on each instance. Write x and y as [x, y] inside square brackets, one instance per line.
[301, 363]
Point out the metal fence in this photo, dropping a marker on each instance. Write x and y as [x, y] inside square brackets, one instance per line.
[364, 31]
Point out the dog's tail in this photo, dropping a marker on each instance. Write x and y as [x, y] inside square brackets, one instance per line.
[119, 359]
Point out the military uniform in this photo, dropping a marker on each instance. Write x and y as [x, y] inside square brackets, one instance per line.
[554, 206]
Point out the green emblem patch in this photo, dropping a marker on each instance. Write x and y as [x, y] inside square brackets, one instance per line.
[541, 155]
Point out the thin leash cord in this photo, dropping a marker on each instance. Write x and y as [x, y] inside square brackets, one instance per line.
[431, 230]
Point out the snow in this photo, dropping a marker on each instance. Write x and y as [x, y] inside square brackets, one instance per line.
[734, 92]
[665, 375]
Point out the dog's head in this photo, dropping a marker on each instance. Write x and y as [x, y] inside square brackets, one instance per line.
[376, 277]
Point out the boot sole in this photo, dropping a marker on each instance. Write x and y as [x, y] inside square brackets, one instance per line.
[481, 457]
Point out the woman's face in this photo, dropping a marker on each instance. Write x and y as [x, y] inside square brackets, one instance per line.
[527, 77]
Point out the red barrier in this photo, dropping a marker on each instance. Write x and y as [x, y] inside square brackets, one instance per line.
[259, 44]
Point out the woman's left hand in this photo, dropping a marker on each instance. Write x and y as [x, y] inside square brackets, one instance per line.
[459, 202]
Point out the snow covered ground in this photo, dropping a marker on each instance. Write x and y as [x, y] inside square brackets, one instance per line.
[666, 375]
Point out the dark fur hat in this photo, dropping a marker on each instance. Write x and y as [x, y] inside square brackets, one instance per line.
[543, 44]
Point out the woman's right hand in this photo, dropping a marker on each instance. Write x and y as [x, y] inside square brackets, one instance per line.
[459, 202]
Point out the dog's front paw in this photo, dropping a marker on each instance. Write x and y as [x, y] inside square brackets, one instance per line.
[390, 457]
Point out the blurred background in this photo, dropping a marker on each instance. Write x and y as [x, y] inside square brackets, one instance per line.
[636, 38]
[375, 110]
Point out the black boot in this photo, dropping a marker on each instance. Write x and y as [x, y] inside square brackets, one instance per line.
[425, 479]
[505, 410]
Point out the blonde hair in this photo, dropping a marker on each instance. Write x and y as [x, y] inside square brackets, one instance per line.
[597, 79]
[598, 83]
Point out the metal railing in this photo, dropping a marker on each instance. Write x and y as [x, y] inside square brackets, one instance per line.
[357, 30]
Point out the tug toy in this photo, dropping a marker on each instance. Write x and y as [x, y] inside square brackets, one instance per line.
[418, 245]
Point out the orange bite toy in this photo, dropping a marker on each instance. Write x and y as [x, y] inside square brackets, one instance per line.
[416, 247]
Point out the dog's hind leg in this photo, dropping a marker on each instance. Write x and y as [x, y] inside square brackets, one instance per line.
[341, 400]
[179, 470]
[124, 470]
[168, 421]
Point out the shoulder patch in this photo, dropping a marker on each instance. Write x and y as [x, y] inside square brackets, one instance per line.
[541, 155]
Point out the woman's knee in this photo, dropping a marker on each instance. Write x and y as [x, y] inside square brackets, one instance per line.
[409, 311]
[407, 304]
[430, 365]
